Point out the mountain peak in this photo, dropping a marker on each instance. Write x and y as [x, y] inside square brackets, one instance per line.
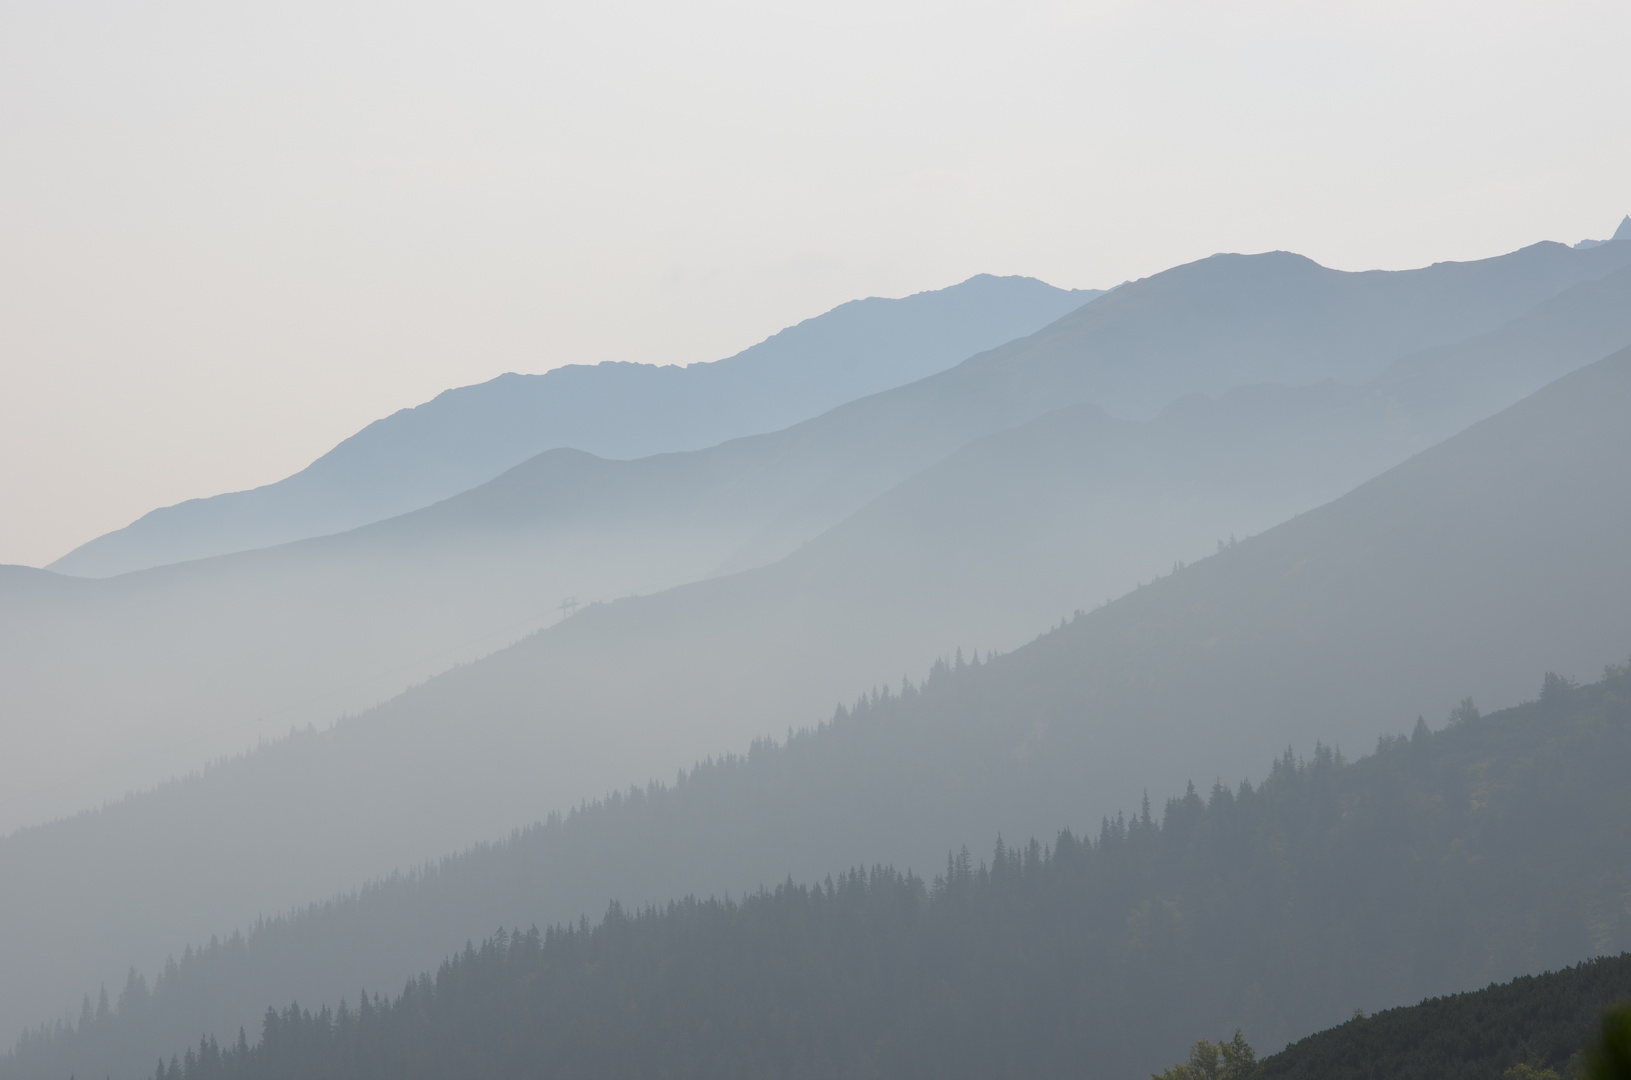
[1624, 231]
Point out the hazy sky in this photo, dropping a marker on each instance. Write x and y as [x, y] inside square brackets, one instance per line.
[231, 234]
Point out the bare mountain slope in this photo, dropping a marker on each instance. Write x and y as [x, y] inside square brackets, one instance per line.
[1204, 328]
[469, 435]
[1281, 318]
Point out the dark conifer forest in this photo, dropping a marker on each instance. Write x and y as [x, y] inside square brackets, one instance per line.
[1537, 1027]
[1444, 859]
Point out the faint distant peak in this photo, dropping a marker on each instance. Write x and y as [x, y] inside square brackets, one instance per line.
[1622, 233]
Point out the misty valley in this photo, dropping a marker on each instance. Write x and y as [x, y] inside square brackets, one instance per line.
[1221, 676]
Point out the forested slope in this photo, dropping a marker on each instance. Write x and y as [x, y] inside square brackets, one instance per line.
[1427, 572]
[1197, 662]
[1442, 861]
[1536, 1022]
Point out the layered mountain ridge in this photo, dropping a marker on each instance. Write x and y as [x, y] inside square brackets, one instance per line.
[168, 668]
[1219, 660]
[467, 436]
[785, 570]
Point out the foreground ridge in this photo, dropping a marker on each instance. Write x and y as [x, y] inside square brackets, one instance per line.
[1535, 1027]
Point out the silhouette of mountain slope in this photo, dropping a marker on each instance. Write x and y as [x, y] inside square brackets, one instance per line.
[628, 690]
[156, 672]
[168, 668]
[469, 435]
[1500, 822]
[1233, 320]
[165, 669]
[1203, 327]
[1538, 1024]
[655, 680]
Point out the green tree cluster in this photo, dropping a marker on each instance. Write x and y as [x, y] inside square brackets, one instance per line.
[1232, 1060]
[1610, 1057]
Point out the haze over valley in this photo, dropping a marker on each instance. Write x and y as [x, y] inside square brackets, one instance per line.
[1050, 661]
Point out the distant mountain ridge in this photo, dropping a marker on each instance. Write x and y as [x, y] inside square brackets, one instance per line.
[467, 436]
[1285, 319]
[160, 670]
[1328, 324]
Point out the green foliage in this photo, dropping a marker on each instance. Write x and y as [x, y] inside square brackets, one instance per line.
[1610, 1058]
[1232, 1060]
[1525, 1071]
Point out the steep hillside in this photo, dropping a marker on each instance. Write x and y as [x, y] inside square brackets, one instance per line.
[1030, 524]
[125, 682]
[1442, 861]
[1427, 574]
[1538, 1022]
[467, 436]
